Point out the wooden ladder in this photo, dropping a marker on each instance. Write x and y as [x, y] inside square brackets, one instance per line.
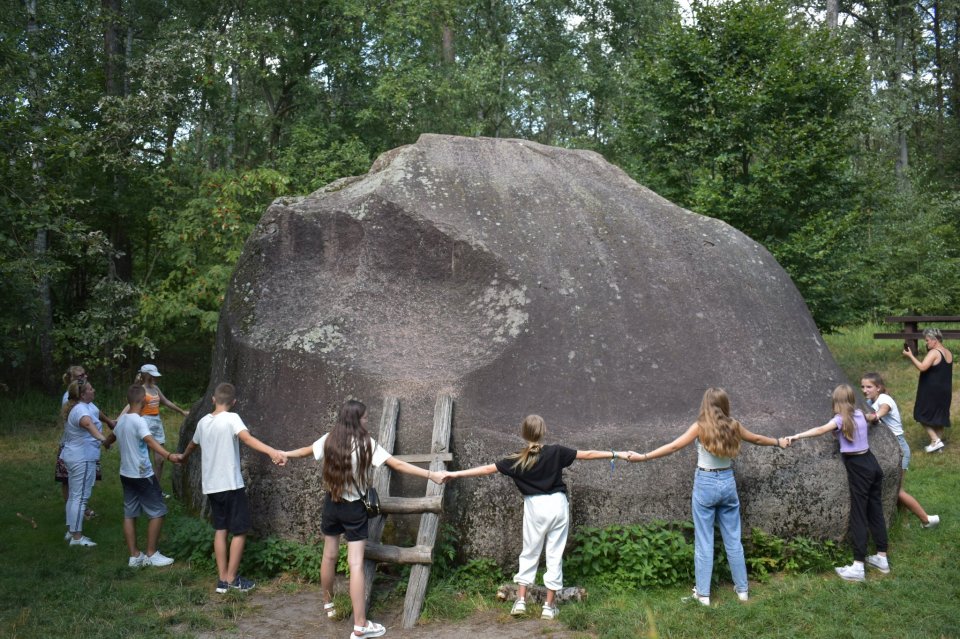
[431, 505]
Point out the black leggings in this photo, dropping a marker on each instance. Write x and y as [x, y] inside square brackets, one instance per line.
[866, 507]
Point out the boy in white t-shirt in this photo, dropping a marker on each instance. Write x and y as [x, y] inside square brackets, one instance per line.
[141, 489]
[219, 435]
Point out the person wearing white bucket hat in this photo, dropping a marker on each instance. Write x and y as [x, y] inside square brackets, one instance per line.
[146, 377]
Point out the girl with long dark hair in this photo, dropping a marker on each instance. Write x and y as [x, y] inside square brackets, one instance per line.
[348, 453]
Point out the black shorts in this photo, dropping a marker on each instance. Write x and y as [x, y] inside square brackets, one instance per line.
[347, 518]
[230, 511]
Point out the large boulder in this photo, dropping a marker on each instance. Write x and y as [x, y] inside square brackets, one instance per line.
[525, 279]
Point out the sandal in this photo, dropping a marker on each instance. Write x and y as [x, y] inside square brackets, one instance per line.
[331, 609]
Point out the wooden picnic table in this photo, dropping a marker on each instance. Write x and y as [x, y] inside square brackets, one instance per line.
[912, 332]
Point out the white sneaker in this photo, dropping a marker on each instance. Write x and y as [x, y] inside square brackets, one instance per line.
[157, 559]
[697, 597]
[743, 596]
[853, 572]
[83, 541]
[932, 522]
[137, 562]
[372, 629]
[934, 447]
[519, 608]
[549, 612]
[67, 536]
[878, 562]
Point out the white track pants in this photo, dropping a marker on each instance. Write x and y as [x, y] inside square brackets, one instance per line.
[546, 519]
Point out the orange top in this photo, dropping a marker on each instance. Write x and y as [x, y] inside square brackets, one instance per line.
[151, 403]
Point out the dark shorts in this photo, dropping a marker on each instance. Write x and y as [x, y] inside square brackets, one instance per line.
[142, 496]
[347, 518]
[230, 511]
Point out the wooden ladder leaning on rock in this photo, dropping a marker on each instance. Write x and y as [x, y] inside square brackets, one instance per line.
[431, 505]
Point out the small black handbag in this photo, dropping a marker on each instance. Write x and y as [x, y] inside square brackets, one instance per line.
[370, 499]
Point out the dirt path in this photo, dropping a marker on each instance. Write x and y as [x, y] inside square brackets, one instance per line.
[276, 615]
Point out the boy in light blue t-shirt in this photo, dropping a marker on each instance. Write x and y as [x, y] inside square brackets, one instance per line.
[141, 490]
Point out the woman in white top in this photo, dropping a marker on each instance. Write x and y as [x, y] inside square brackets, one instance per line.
[347, 453]
[82, 437]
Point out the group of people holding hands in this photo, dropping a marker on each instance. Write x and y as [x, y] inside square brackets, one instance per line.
[348, 453]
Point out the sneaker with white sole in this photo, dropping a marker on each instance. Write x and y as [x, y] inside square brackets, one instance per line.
[932, 522]
[138, 562]
[519, 608]
[243, 585]
[67, 536]
[83, 541]
[549, 612]
[158, 559]
[743, 596]
[879, 563]
[702, 599]
[934, 447]
[372, 629]
[222, 587]
[853, 572]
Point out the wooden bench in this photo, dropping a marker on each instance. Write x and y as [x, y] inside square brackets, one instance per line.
[912, 331]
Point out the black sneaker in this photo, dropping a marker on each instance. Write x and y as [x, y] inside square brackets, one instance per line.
[242, 584]
[222, 587]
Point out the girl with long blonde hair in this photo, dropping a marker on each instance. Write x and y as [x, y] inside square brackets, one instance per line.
[348, 453]
[866, 482]
[537, 471]
[715, 499]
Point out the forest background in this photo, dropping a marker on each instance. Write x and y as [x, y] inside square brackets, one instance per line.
[141, 140]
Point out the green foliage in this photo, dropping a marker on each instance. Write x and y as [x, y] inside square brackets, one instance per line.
[767, 554]
[638, 556]
[191, 540]
[199, 248]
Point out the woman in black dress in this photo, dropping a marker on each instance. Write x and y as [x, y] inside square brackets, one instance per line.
[935, 388]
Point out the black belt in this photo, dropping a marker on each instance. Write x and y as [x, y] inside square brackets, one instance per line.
[862, 452]
[713, 470]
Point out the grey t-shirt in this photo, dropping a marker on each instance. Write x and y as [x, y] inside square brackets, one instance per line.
[134, 452]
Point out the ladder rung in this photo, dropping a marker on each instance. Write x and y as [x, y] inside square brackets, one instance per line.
[399, 554]
[411, 505]
[425, 458]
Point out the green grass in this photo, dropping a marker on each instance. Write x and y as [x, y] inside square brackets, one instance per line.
[50, 590]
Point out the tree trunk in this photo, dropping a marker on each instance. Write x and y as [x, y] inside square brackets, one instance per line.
[833, 13]
[45, 319]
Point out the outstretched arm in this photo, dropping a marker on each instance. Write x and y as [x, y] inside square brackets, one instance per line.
[306, 451]
[166, 402]
[762, 440]
[476, 471]
[680, 442]
[601, 454]
[436, 476]
[155, 446]
[814, 432]
[278, 457]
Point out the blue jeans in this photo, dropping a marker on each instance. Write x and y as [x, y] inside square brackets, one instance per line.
[715, 499]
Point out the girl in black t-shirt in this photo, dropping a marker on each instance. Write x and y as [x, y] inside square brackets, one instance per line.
[537, 470]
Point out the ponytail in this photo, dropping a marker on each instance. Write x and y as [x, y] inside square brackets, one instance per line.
[532, 429]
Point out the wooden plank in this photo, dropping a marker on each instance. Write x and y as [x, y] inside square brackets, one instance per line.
[947, 334]
[386, 437]
[429, 522]
[921, 319]
[411, 505]
[425, 458]
[399, 554]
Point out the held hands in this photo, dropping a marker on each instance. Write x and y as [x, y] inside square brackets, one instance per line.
[784, 442]
[175, 458]
[439, 476]
[278, 457]
[634, 456]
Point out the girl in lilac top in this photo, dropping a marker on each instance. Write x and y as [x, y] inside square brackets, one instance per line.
[865, 478]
